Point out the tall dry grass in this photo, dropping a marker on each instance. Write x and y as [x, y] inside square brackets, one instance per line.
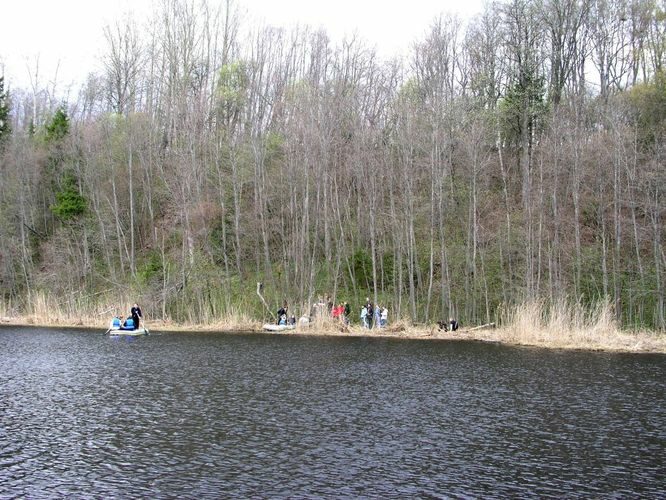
[44, 309]
[325, 325]
[563, 324]
[40, 308]
[234, 319]
[567, 324]
[5, 309]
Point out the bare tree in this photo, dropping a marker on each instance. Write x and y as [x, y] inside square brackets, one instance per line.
[123, 63]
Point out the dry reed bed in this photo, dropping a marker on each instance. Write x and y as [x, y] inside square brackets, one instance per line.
[569, 325]
[562, 325]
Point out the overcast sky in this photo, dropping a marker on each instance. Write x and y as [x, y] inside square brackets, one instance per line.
[67, 34]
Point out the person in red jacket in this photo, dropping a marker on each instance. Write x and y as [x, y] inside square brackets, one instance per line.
[338, 311]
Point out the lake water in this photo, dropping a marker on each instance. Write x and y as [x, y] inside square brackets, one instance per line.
[217, 415]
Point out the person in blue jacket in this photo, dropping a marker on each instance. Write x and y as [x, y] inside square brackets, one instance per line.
[116, 322]
[364, 316]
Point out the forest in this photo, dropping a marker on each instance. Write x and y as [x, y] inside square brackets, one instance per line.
[516, 156]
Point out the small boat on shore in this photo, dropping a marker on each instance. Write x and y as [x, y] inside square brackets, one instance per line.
[127, 332]
[278, 328]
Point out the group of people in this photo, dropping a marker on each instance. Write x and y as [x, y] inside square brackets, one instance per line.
[451, 326]
[323, 308]
[131, 322]
[283, 316]
[373, 315]
[341, 312]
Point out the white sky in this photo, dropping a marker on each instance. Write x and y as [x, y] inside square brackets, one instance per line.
[67, 34]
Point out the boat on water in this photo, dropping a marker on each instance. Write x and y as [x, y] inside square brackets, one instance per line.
[278, 328]
[127, 328]
[128, 332]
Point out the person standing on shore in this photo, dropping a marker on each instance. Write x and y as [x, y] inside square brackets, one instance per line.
[338, 312]
[369, 313]
[364, 316]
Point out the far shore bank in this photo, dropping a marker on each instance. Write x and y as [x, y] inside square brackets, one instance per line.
[615, 341]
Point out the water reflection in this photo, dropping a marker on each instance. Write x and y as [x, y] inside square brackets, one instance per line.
[201, 415]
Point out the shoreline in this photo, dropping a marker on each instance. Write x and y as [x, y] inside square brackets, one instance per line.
[617, 342]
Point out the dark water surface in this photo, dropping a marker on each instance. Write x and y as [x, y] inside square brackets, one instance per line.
[218, 415]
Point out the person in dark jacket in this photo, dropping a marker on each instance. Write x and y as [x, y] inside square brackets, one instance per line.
[347, 313]
[282, 315]
[370, 309]
[135, 312]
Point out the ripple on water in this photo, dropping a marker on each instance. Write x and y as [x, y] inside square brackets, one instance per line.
[215, 415]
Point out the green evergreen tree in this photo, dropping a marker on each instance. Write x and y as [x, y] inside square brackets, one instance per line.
[58, 127]
[69, 202]
[526, 96]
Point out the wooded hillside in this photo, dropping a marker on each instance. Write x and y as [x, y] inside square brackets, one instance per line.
[520, 155]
